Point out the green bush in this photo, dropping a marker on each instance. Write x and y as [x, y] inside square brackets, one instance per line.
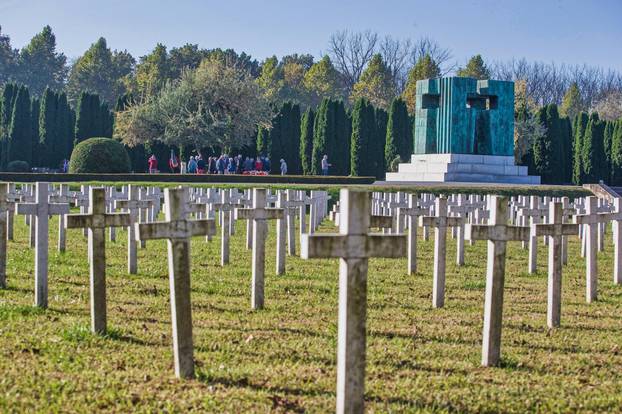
[18, 166]
[99, 155]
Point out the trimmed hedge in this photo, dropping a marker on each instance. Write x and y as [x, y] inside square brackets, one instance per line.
[18, 167]
[99, 155]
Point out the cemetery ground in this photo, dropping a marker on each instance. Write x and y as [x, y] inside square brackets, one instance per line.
[283, 358]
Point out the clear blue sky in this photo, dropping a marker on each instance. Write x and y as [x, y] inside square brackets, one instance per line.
[570, 31]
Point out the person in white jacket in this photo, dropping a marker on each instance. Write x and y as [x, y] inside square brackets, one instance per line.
[283, 167]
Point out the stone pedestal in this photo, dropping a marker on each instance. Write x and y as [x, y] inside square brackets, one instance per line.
[462, 168]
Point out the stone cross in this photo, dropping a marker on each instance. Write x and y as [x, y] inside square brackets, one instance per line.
[498, 233]
[225, 207]
[412, 212]
[535, 213]
[4, 210]
[461, 210]
[259, 214]
[281, 233]
[591, 220]
[41, 210]
[64, 197]
[133, 206]
[82, 201]
[178, 230]
[555, 230]
[294, 207]
[353, 245]
[96, 221]
[440, 222]
[616, 218]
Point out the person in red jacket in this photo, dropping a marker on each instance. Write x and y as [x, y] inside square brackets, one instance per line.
[173, 163]
[153, 164]
[258, 164]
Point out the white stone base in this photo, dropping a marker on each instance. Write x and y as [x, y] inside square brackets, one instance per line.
[462, 168]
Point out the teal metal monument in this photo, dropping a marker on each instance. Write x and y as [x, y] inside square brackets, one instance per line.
[464, 131]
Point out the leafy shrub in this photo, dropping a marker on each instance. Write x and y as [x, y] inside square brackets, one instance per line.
[99, 155]
[18, 166]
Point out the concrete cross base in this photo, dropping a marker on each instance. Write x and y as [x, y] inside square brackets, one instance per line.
[462, 168]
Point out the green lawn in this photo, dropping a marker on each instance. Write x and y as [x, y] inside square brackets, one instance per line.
[283, 358]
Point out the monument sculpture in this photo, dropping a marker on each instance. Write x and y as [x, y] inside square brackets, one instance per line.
[464, 131]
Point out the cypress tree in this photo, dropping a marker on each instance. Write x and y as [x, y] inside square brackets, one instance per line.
[554, 133]
[65, 127]
[616, 153]
[6, 112]
[542, 150]
[48, 127]
[566, 133]
[592, 154]
[293, 141]
[580, 123]
[379, 142]
[398, 140]
[34, 132]
[263, 141]
[341, 138]
[277, 148]
[83, 118]
[306, 140]
[20, 132]
[363, 130]
[607, 140]
[319, 137]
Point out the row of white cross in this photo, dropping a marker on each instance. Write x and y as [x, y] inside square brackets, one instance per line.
[357, 213]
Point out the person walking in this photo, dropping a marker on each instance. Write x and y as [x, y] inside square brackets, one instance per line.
[192, 166]
[153, 164]
[325, 165]
[283, 166]
[173, 163]
[201, 165]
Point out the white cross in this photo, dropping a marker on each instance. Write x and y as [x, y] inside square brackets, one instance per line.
[4, 210]
[412, 212]
[498, 233]
[555, 230]
[259, 214]
[41, 210]
[133, 206]
[440, 222]
[353, 245]
[96, 221]
[178, 230]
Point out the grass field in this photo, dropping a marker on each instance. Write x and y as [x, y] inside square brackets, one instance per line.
[283, 358]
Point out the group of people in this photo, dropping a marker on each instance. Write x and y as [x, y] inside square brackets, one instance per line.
[223, 164]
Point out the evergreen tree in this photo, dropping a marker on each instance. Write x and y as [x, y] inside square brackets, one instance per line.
[375, 84]
[580, 124]
[65, 128]
[341, 151]
[363, 131]
[607, 141]
[558, 147]
[48, 128]
[6, 112]
[20, 132]
[572, 103]
[306, 140]
[475, 68]
[398, 138]
[543, 151]
[425, 68]
[293, 141]
[379, 142]
[616, 153]
[84, 118]
[592, 154]
[34, 132]
[566, 133]
[41, 65]
[278, 137]
[263, 141]
[320, 128]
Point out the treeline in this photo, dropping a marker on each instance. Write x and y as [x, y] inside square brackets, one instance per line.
[361, 141]
[42, 132]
